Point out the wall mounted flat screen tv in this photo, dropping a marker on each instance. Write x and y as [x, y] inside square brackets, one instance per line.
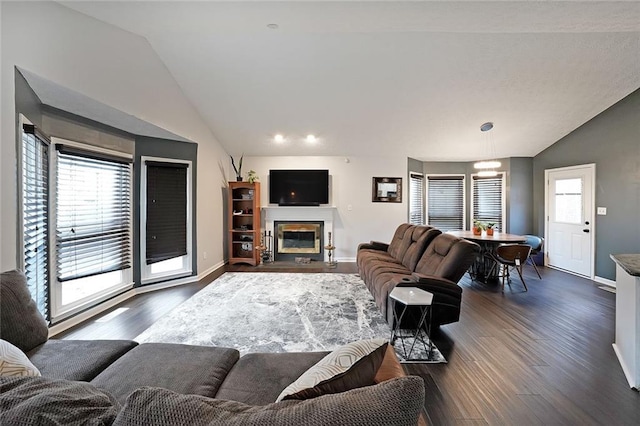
[299, 187]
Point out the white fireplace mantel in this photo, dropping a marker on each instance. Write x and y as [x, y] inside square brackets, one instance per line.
[277, 213]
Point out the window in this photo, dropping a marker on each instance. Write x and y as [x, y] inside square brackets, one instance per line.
[416, 199]
[35, 215]
[568, 201]
[93, 225]
[165, 219]
[488, 200]
[445, 203]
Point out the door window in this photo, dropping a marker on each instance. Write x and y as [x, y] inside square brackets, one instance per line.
[568, 200]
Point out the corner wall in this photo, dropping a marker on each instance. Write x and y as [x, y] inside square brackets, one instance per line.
[118, 69]
[611, 140]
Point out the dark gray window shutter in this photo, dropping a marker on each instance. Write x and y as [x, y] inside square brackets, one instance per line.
[487, 200]
[93, 213]
[35, 215]
[166, 211]
[446, 202]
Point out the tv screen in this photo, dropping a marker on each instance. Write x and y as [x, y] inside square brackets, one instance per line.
[299, 187]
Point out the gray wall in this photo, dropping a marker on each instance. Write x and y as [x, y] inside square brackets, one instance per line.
[520, 195]
[518, 189]
[163, 148]
[611, 140]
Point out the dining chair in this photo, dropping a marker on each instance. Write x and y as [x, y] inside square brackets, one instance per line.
[511, 256]
[536, 244]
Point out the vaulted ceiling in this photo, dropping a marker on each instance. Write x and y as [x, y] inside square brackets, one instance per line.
[391, 78]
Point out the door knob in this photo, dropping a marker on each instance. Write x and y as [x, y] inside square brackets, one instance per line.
[585, 230]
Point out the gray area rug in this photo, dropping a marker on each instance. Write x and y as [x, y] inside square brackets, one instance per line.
[275, 312]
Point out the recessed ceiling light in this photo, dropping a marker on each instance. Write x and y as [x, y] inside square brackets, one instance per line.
[311, 138]
[278, 138]
[273, 26]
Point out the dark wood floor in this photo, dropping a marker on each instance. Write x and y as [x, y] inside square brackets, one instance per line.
[540, 357]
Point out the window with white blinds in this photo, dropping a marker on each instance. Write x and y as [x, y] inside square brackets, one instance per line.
[35, 215]
[93, 217]
[488, 200]
[416, 199]
[445, 202]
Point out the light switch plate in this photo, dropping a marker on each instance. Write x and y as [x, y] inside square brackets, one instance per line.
[602, 211]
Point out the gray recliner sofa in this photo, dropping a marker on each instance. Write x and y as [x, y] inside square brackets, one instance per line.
[157, 383]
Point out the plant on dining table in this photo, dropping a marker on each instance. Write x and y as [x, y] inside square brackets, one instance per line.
[478, 227]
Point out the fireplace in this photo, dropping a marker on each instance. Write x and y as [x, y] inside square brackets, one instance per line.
[295, 239]
[299, 214]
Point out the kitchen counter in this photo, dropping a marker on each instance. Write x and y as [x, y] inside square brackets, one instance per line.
[629, 262]
[627, 344]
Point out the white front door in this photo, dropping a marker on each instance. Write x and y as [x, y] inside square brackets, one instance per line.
[569, 227]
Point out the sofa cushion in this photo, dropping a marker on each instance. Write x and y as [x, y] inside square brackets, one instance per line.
[348, 367]
[181, 368]
[77, 359]
[13, 362]
[447, 257]
[420, 238]
[38, 400]
[21, 324]
[394, 402]
[400, 241]
[258, 379]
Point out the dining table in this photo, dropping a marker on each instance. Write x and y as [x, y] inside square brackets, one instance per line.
[482, 269]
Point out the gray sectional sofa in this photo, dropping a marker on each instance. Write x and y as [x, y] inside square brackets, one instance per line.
[418, 256]
[121, 382]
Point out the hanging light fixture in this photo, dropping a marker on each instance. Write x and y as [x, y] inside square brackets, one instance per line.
[487, 167]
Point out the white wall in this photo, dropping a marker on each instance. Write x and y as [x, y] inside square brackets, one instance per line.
[116, 68]
[350, 186]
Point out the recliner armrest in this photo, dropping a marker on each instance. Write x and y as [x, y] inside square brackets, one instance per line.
[431, 284]
[374, 245]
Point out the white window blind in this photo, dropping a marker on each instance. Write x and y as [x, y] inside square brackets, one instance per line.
[445, 203]
[35, 215]
[487, 200]
[93, 214]
[416, 199]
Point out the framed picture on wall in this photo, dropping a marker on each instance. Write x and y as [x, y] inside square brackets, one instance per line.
[386, 190]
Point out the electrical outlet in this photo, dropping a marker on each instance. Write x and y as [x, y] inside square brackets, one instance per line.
[204, 255]
[602, 211]
[349, 207]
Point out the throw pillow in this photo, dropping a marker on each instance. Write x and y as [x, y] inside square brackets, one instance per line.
[13, 362]
[351, 366]
[20, 321]
[35, 401]
[396, 402]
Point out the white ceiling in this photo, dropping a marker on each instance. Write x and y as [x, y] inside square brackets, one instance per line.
[391, 78]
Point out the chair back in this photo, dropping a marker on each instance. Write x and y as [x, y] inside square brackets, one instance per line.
[508, 253]
[535, 242]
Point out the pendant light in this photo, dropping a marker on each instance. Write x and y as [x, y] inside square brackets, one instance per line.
[487, 168]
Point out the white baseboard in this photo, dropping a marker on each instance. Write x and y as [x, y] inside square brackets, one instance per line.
[218, 265]
[625, 369]
[604, 281]
[346, 259]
